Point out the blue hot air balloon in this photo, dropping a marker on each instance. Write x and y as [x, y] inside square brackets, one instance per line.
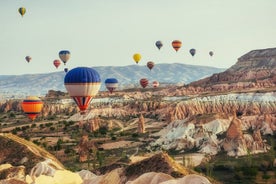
[82, 84]
[111, 84]
[64, 55]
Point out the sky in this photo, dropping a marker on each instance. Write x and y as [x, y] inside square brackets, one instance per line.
[109, 32]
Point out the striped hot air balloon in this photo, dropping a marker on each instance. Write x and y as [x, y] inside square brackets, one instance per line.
[32, 106]
[176, 44]
[144, 82]
[150, 64]
[22, 11]
[64, 55]
[56, 62]
[111, 84]
[155, 84]
[82, 84]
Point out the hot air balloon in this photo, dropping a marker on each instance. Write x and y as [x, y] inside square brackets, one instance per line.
[22, 11]
[82, 84]
[32, 106]
[65, 70]
[56, 62]
[192, 52]
[28, 58]
[150, 64]
[137, 57]
[64, 55]
[155, 84]
[111, 84]
[211, 53]
[144, 82]
[158, 44]
[176, 44]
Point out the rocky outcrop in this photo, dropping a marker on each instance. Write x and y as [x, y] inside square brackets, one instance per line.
[141, 124]
[84, 147]
[254, 70]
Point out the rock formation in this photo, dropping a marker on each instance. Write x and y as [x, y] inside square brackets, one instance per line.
[141, 124]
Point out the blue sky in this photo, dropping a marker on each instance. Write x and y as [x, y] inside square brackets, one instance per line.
[109, 32]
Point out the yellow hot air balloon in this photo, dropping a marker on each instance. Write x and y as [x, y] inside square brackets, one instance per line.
[137, 57]
[32, 106]
[22, 11]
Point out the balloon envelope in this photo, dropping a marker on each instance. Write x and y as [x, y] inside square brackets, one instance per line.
[192, 52]
[28, 58]
[155, 84]
[64, 55]
[111, 84]
[82, 84]
[65, 70]
[158, 44]
[144, 82]
[137, 57]
[22, 11]
[56, 62]
[211, 53]
[150, 64]
[32, 106]
[176, 44]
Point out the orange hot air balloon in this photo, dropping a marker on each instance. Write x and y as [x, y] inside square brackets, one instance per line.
[150, 65]
[56, 62]
[176, 44]
[32, 106]
[144, 82]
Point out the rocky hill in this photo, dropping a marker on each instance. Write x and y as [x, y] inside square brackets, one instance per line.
[256, 69]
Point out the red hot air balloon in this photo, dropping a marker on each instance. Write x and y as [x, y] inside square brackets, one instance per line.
[176, 44]
[32, 106]
[155, 84]
[150, 65]
[144, 82]
[28, 58]
[56, 62]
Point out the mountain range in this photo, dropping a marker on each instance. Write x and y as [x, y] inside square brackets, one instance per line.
[18, 86]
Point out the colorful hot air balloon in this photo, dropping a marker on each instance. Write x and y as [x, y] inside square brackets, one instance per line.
[150, 64]
[32, 106]
[82, 84]
[176, 44]
[22, 11]
[155, 84]
[158, 44]
[111, 84]
[192, 52]
[137, 57]
[144, 82]
[56, 62]
[65, 70]
[64, 55]
[211, 53]
[28, 58]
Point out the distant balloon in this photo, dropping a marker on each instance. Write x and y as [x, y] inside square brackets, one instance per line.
[32, 106]
[192, 52]
[64, 55]
[28, 58]
[137, 57]
[211, 53]
[111, 84]
[150, 64]
[65, 70]
[82, 84]
[155, 84]
[158, 44]
[22, 11]
[176, 44]
[144, 82]
[56, 62]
